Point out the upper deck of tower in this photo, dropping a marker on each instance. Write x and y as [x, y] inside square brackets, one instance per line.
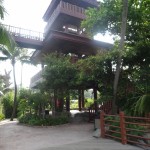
[80, 3]
[62, 13]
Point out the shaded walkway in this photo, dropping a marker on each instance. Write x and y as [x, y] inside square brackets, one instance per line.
[66, 137]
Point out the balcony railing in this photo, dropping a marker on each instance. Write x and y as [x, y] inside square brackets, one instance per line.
[68, 9]
[36, 79]
[24, 33]
[94, 2]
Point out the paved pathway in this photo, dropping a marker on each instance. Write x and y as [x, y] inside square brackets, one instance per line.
[66, 137]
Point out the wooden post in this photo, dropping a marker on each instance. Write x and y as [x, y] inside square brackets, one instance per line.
[123, 128]
[82, 97]
[79, 100]
[68, 102]
[95, 99]
[102, 124]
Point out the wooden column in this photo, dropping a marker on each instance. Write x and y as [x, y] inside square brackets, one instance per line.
[123, 128]
[55, 100]
[68, 103]
[79, 100]
[82, 97]
[95, 99]
[102, 124]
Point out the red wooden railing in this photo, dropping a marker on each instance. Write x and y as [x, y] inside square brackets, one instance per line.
[24, 33]
[122, 127]
[105, 106]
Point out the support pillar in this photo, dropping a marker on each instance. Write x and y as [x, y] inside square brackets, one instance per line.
[79, 100]
[82, 96]
[95, 99]
[68, 103]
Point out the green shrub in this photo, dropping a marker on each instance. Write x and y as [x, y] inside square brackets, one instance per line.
[74, 104]
[88, 102]
[2, 117]
[47, 121]
[7, 102]
[143, 105]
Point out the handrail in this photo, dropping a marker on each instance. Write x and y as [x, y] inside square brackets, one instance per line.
[124, 129]
[24, 33]
[67, 8]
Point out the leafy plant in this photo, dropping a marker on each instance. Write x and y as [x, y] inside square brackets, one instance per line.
[2, 117]
[7, 102]
[47, 121]
[143, 105]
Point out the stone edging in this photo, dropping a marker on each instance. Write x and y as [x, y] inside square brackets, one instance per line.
[61, 125]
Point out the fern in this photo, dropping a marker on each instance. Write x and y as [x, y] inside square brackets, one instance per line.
[143, 104]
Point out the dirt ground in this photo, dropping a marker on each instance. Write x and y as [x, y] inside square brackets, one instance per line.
[14, 136]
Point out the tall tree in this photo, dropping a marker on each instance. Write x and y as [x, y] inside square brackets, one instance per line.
[13, 55]
[107, 18]
[121, 48]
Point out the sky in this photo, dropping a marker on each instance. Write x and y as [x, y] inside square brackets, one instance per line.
[25, 14]
[28, 14]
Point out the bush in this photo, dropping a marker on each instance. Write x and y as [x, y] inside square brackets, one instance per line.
[88, 102]
[2, 117]
[7, 102]
[38, 121]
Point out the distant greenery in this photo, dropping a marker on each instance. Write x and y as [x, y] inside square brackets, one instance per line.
[88, 103]
[47, 121]
[2, 117]
[143, 105]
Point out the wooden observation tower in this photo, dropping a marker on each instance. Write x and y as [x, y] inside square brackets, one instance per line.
[63, 32]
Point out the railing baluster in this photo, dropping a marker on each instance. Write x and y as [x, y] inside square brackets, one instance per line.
[24, 33]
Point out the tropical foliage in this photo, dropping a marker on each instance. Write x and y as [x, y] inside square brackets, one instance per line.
[5, 38]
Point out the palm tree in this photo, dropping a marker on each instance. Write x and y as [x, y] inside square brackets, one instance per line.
[5, 36]
[13, 55]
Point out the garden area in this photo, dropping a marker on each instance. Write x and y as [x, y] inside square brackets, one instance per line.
[121, 74]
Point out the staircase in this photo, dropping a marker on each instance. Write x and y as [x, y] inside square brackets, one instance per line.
[106, 107]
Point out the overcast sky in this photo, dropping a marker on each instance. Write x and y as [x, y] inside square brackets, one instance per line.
[28, 14]
[25, 14]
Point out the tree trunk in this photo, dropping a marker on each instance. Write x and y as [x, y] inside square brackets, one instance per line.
[119, 60]
[95, 99]
[68, 102]
[21, 75]
[15, 94]
[82, 97]
[79, 100]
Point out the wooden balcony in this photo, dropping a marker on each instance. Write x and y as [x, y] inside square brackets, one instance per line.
[25, 38]
[36, 79]
[67, 9]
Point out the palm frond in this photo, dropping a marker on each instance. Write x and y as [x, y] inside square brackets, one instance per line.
[3, 58]
[2, 10]
[6, 38]
[4, 51]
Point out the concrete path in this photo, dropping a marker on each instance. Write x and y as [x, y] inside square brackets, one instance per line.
[65, 137]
